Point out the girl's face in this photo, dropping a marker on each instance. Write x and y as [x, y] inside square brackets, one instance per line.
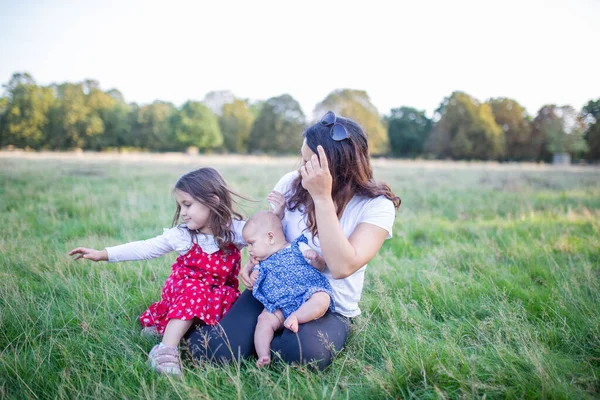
[194, 214]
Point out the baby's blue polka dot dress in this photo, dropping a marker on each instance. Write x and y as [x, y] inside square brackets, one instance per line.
[286, 280]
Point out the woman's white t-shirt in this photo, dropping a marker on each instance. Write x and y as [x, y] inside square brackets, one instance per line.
[377, 211]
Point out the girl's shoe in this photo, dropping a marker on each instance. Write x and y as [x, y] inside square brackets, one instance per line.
[165, 360]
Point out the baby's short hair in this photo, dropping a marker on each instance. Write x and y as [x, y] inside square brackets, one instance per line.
[265, 220]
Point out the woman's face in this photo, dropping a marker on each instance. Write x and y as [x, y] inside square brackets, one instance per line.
[306, 152]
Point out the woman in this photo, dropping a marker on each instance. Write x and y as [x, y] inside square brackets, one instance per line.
[346, 216]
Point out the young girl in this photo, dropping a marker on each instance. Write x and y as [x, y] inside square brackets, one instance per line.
[203, 283]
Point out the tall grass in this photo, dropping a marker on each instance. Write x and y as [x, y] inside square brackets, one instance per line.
[489, 287]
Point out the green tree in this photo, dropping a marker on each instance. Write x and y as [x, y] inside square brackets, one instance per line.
[591, 115]
[25, 113]
[151, 126]
[279, 126]
[408, 129]
[557, 130]
[73, 122]
[195, 125]
[108, 110]
[117, 125]
[355, 104]
[565, 132]
[516, 124]
[466, 130]
[539, 141]
[3, 108]
[255, 107]
[236, 122]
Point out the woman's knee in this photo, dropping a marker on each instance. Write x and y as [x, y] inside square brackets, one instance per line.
[317, 342]
[301, 349]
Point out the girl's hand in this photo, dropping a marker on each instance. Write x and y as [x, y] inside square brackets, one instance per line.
[277, 203]
[89, 254]
[314, 259]
[316, 178]
[246, 273]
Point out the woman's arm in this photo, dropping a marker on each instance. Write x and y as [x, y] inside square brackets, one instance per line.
[344, 256]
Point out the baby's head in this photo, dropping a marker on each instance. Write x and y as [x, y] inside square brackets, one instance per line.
[264, 234]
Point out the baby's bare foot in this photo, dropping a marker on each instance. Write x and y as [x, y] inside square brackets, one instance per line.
[263, 361]
[291, 323]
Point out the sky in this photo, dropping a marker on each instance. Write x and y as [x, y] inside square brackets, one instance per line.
[402, 53]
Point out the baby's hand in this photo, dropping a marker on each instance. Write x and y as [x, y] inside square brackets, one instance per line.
[314, 259]
[254, 276]
[89, 254]
[246, 273]
[277, 201]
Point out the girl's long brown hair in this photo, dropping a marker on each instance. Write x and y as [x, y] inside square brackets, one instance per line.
[207, 186]
[350, 168]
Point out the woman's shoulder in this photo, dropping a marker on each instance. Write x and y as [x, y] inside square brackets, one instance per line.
[379, 202]
[284, 184]
[379, 211]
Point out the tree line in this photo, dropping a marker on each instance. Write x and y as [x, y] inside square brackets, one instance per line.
[82, 115]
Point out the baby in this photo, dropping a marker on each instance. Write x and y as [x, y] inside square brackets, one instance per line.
[292, 291]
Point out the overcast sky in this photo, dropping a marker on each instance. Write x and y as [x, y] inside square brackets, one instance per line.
[402, 53]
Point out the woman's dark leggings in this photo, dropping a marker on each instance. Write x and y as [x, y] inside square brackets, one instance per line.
[316, 341]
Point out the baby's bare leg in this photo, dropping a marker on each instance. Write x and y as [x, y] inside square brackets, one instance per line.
[315, 307]
[266, 326]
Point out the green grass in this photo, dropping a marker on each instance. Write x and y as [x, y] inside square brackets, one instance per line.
[489, 288]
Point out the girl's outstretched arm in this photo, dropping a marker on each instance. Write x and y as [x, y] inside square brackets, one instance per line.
[89, 254]
[343, 255]
[172, 239]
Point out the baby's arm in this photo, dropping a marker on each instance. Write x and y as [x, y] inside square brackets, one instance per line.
[277, 201]
[314, 259]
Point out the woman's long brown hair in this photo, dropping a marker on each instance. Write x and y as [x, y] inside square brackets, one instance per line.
[207, 186]
[350, 168]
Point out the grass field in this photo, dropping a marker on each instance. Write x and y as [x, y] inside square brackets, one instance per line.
[489, 288]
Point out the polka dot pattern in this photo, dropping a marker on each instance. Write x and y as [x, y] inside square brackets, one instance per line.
[201, 285]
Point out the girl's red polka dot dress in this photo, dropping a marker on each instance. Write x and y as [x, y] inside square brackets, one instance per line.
[201, 285]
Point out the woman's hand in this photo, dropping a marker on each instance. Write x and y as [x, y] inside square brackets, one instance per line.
[246, 273]
[316, 260]
[277, 203]
[89, 254]
[316, 178]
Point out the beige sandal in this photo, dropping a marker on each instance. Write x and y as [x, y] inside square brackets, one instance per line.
[165, 360]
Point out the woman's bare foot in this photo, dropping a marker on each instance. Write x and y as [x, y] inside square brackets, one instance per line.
[291, 323]
[263, 361]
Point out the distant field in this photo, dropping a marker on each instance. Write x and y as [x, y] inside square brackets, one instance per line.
[489, 287]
